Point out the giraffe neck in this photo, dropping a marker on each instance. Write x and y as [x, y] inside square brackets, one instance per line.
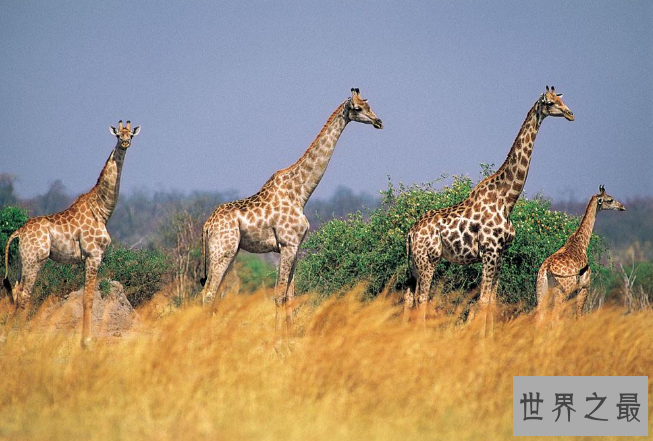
[511, 176]
[108, 185]
[305, 174]
[581, 237]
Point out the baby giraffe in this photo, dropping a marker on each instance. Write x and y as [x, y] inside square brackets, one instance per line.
[566, 272]
[75, 235]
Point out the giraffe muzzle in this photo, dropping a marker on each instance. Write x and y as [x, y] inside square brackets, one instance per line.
[569, 115]
[378, 124]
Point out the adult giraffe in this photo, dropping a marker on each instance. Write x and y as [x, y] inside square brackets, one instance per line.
[273, 219]
[478, 228]
[75, 235]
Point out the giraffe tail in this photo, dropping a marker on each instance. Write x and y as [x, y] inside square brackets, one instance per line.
[204, 256]
[5, 282]
[411, 282]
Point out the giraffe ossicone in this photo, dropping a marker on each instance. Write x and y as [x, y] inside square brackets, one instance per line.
[75, 235]
[478, 229]
[273, 219]
[566, 273]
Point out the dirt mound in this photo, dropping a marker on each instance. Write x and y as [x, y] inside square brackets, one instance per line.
[113, 315]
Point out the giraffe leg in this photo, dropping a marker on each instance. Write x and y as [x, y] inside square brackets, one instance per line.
[543, 306]
[23, 292]
[409, 302]
[542, 293]
[489, 282]
[582, 293]
[424, 279]
[221, 248]
[32, 259]
[31, 269]
[409, 295]
[559, 297]
[220, 264]
[290, 293]
[425, 255]
[91, 266]
[580, 301]
[284, 279]
[290, 307]
[290, 304]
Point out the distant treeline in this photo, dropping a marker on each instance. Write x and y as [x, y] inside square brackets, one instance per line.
[141, 216]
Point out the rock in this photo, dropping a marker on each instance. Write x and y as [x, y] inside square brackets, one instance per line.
[112, 315]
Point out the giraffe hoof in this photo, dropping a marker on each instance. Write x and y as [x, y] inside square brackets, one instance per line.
[87, 343]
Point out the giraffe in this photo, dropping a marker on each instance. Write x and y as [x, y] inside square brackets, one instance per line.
[566, 272]
[478, 229]
[75, 235]
[273, 219]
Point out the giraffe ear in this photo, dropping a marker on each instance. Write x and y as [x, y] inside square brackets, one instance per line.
[137, 130]
[113, 130]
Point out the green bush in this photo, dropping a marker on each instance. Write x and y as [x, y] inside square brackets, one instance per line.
[11, 219]
[254, 272]
[57, 279]
[141, 272]
[343, 253]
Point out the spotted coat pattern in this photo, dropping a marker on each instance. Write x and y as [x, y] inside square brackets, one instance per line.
[566, 273]
[75, 235]
[478, 229]
[273, 219]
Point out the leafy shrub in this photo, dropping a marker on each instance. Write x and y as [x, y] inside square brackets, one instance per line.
[254, 272]
[141, 272]
[11, 219]
[343, 253]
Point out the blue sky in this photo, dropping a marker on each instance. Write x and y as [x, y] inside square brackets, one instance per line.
[227, 93]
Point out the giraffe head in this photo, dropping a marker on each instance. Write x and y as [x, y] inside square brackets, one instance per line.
[551, 105]
[360, 111]
[607, 202]
[125, 133]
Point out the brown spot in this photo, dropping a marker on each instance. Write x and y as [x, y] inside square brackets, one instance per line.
[467, 239]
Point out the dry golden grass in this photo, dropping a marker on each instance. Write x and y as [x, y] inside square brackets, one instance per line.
[355, 373]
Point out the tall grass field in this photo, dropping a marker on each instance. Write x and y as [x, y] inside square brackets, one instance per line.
[353, 372]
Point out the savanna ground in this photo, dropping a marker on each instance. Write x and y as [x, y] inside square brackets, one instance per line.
[356, 372]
